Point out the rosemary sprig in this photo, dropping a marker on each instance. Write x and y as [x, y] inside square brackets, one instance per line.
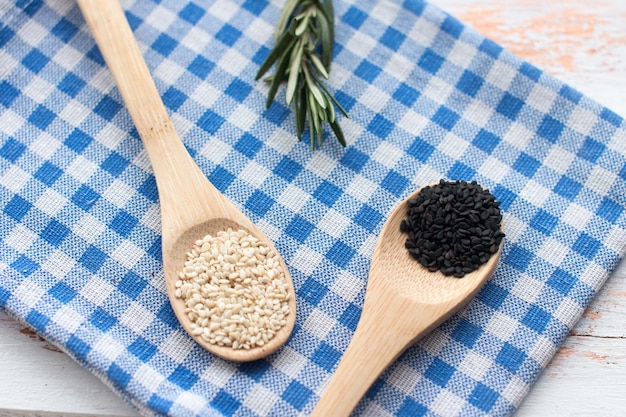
[304, 38]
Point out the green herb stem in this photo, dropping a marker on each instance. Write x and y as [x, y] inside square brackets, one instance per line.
[304, 40]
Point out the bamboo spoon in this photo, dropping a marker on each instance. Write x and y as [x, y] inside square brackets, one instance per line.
[191, 207]
[403, 302]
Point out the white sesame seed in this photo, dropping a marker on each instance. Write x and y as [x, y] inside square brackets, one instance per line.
[234, 290]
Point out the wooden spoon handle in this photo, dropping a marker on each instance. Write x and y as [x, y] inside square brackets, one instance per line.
[119, 48]
[385, 330]
[179, 180]
[360, 366]
[123, 57]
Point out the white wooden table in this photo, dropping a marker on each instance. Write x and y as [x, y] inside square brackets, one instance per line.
[583, 42]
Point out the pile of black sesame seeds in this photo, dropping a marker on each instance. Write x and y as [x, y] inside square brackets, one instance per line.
[453, 227]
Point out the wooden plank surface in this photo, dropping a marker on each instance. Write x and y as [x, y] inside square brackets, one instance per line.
[587, 376]
[37, 379]
[583, 42]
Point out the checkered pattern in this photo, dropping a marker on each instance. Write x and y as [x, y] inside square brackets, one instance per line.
[428, 98]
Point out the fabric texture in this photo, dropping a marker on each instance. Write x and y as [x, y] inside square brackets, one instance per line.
[428, 98]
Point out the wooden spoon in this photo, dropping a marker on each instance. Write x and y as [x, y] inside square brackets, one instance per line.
[403, 302]
[191, 207]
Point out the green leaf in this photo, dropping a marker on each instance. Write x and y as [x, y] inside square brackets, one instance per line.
[303, 25]
[318, 65]
[313, 123]
[334, 100]
[338, 132]
[301, 116]
[302, 15]
[328, 10]
[285, 43]
[331, 110]
[322, 114]
[294, 71]
[326, 38]
[296, 112]
[283, 20]
[315, 118]
[313, 89]
[279, 77]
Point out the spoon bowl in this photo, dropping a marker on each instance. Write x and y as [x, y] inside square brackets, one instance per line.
[191, 207]
[403, 302]
[173, 263]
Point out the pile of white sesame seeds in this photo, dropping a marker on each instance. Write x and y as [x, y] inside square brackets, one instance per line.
[234, 290]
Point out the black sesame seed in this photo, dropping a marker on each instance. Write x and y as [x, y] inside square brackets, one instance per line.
[448, 271]
[453, 227]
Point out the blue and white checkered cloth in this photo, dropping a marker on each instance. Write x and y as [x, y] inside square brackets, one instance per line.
[428, 98]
